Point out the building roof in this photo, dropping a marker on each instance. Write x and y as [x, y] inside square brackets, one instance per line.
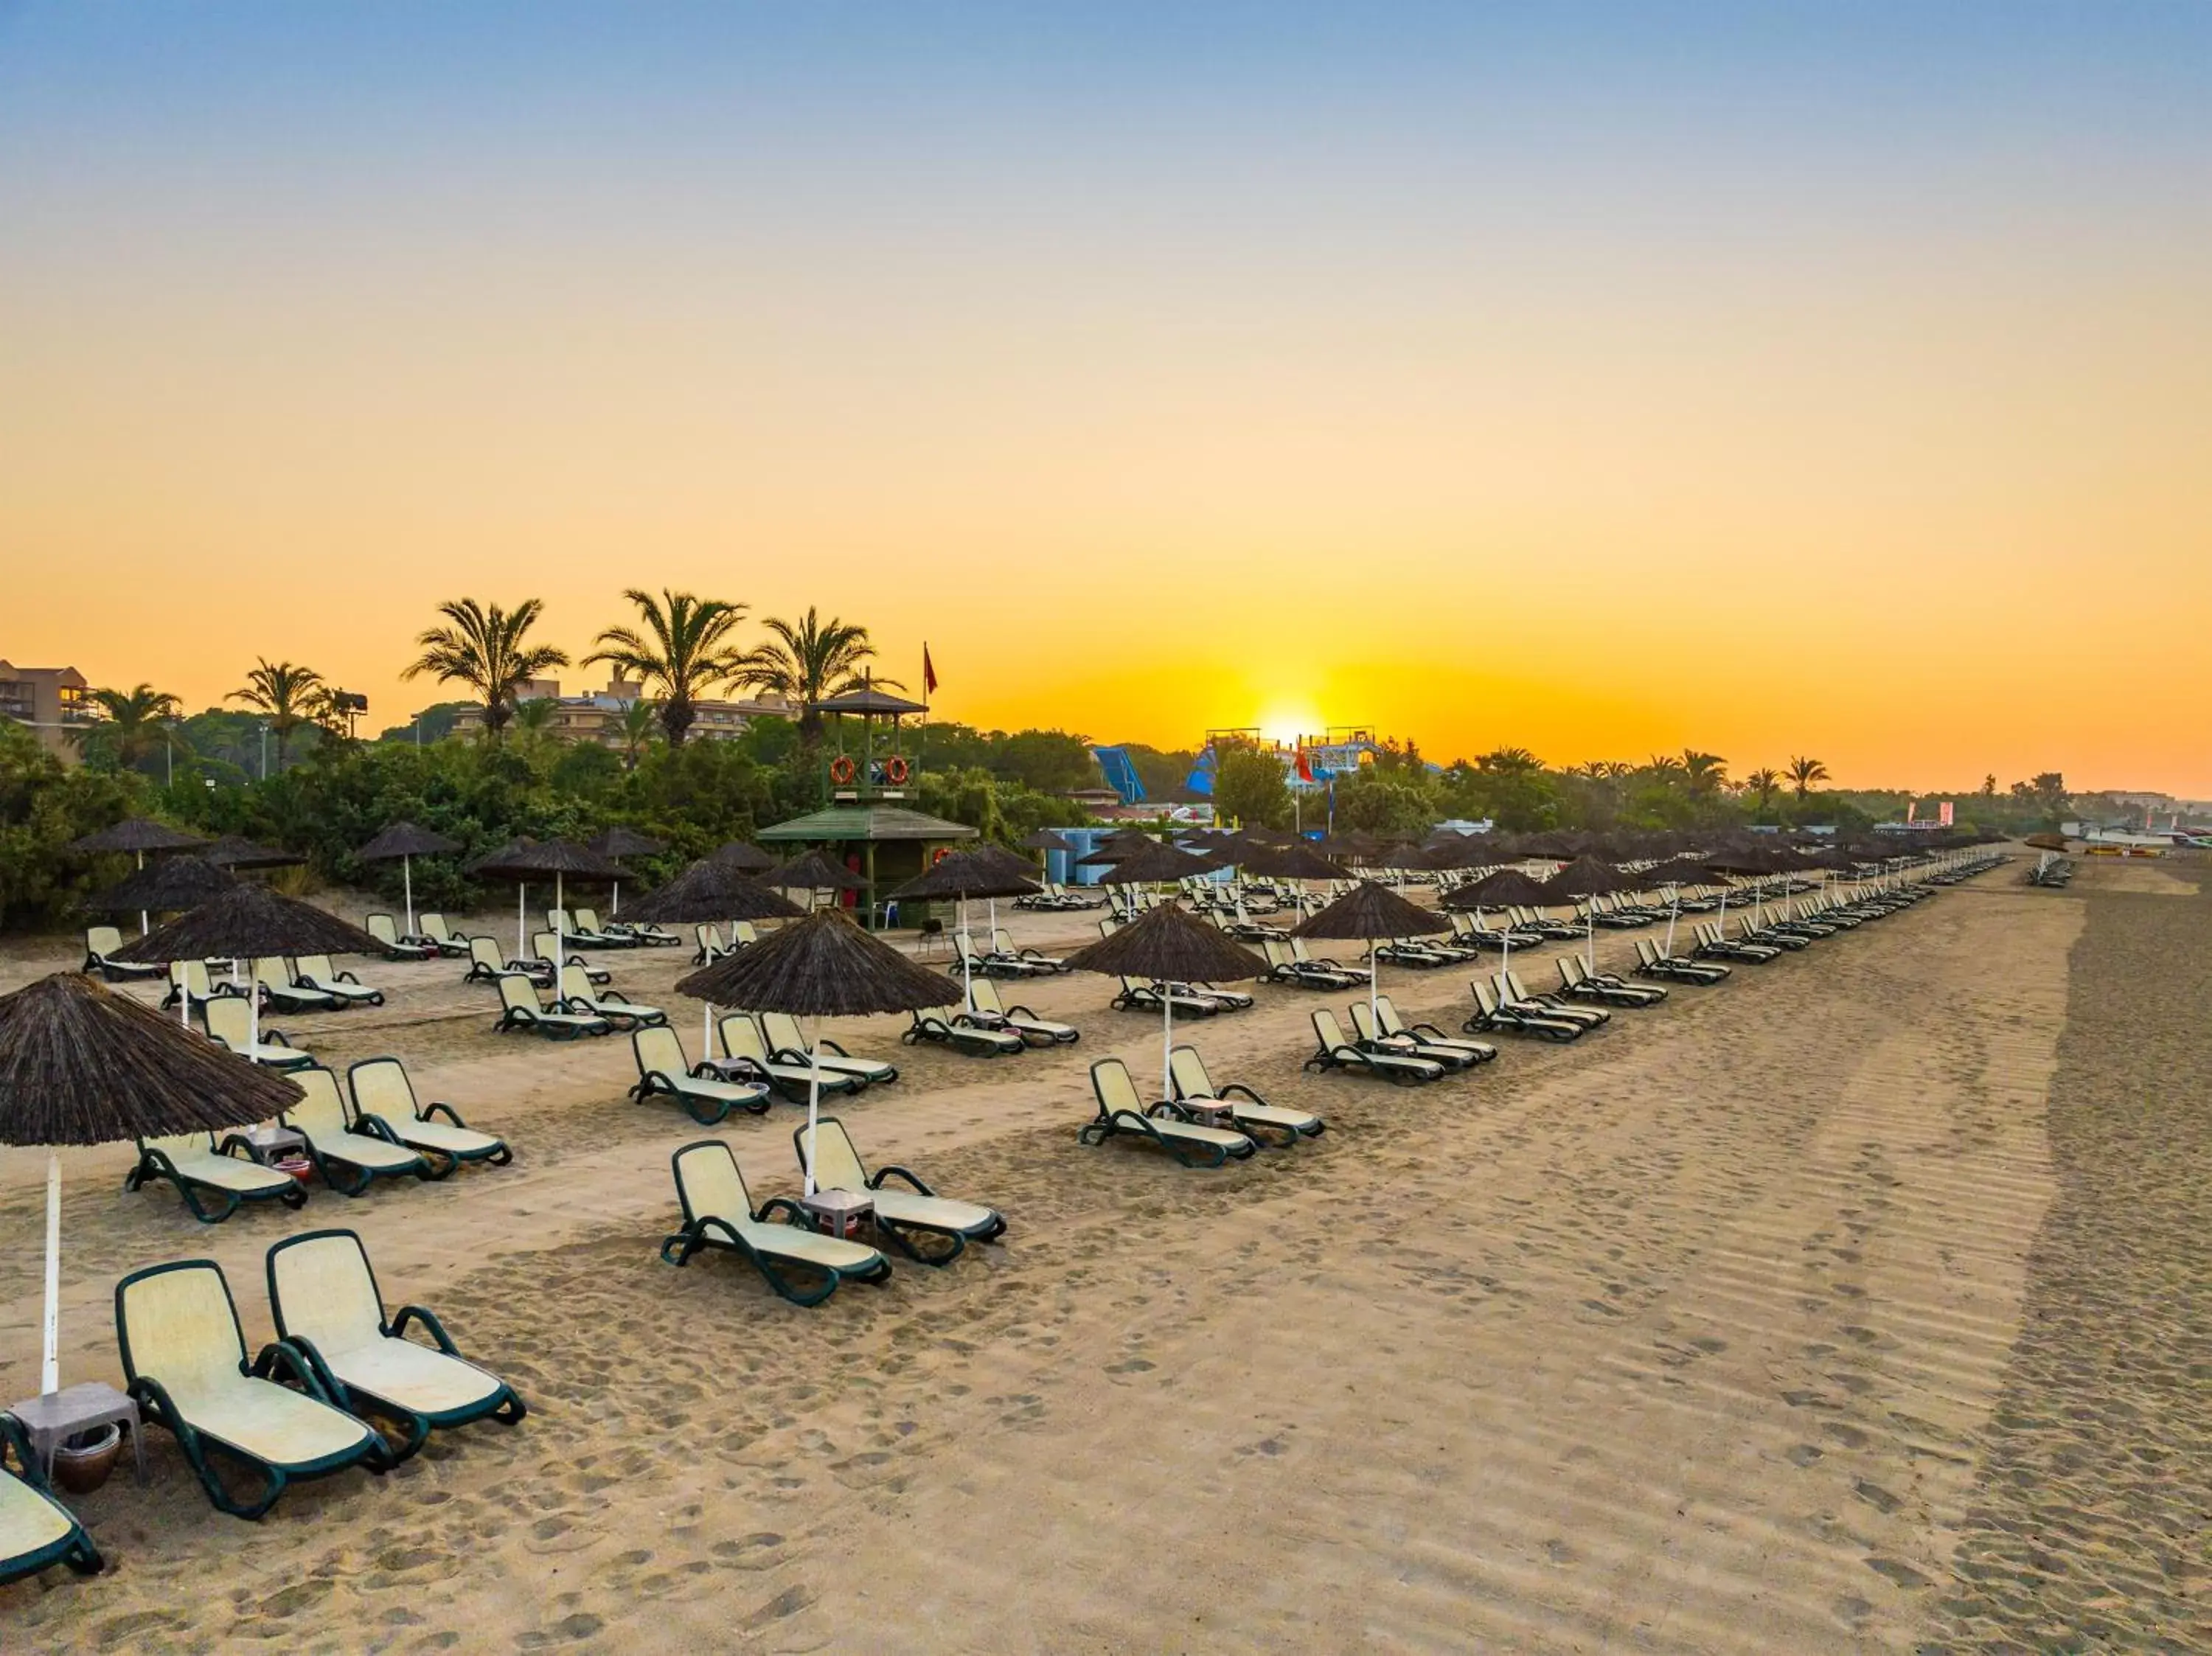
[868, 700]
[862, 823]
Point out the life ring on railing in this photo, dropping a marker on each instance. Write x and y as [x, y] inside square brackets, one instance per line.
[894, 770]
[940, 855]
[841, 770]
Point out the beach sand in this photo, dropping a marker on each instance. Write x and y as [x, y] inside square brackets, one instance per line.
[1756, 1323]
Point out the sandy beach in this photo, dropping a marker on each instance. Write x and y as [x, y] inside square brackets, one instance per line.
[1858, 1304]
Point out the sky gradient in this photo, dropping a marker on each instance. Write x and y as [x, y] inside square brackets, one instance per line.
[1776, 378]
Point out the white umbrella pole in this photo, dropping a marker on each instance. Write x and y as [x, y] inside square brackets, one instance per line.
[813, 1112]
[521, 942]
[407, 881]
[560, 913]
[1722, 926]
[707, 1032]
[1505, 961]
[253, 1021]
[1374, 972]
[1589, 944]
[49, 1372]
[1167, 1044]
[614, 907]
[143, 926]
[1674, 914]
[967, 957]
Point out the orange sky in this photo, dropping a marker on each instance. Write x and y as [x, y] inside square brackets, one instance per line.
[1890, 454]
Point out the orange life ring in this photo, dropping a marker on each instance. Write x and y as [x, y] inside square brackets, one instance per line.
[841, 770]
[894, 770]
[940, 855]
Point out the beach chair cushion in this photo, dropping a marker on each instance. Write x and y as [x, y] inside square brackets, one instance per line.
[781, 1032]
[193, 1157]
[33, 1528]
[320, 1117]
[741, 1038]
[382, 1091]
[711, 1187]
[519, 1001]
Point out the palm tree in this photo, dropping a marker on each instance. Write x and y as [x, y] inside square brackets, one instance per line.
[287, 696]
[137, 721]
[688, 651]
[810, 661]
[1764, 782]
[1665, 767]
[1707, 773]
[633, 727]
[484, 649]
[533, 717]
[1803, 773]
[1508, 761]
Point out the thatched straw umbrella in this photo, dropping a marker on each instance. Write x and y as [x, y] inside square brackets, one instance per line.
[406, 842]
[978, 871]
[616, 843]
[821, 967]
[170, 885]
[243, 922]
[136, 835]
[564, 860]
[1169, 946]
[705, 893]
[1675, 873]
[1503, 890]
[811, 871]
[745, 858]
[235, 850]
[1589, 877]
[81, 1065]
[1753, 860]
[1372, 914]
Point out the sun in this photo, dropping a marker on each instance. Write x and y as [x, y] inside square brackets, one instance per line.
[1286, 725]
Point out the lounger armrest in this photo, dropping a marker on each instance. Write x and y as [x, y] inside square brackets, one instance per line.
[791, 1055]
[432, 1112]
[274, 1038]
[1020, 1011]
[1427, 1032]
[12, 1437]
[1234, 1087]
[375, 1127]
[782, 1205]
[301, 1347]
[278, 1354]
[876, 1179]
[821, 1041]
[234, 1144]
[431, 1325]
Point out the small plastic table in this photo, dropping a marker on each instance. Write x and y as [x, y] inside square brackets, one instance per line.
[837, 1212]
[269, 1143]
[50, 1421]
[1208, 1112]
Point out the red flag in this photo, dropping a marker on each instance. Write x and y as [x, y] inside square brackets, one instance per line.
[928, 674]
[1305, 766]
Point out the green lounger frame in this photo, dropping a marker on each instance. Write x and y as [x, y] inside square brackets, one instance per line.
[73, 1547]
[1200, 1147]
[903, 1231]
[708, 1230]
[963, 1037]
[202, 1448]
[208, 1203]
[500, 1402]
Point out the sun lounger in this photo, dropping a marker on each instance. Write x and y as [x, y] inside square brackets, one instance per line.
[541, 965]
[36, 1530]
[1385, 1031]
[273, 980]
[324, 1301]
[1253, 1114]
[183, 1353]
[1578, 980]
[988, 1012]
[519, 1009]
[624, 931]
[314, 972]
[229, 1020]
[1512, 991]
[577, 995]
[350, 1159]
[706, 1097]
[1121, 1112]
[1002, 948]
[962, 1034]
[786, 1046]
[790, 1078]
[1136, 995]
[1283, 966]
[1650, 963]
[711, 948]
[802, 1265]
[899, 1214]
[487, 965]
[1492, 1016]
[1711, 945]
[386, 932]
[384, 1100]
[438, 936]
[190, 979]
[102, 941]
[968, 962]
[1333, 1052]
[212, 1181]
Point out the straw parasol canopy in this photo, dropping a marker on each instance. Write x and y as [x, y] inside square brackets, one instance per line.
[553, 860]
[1681, 871]
[235, 851]
[625, 842]
[813, 871]
[173, 883]
[247, 920]
[1046, 839]
[820, 965]
[1153, 863]
[1299, 861]
[1171, 946]
[137, 833]
[404, 838]
[1503, 890]
[2046, 842]
[1369, 911]
[823, 966]
[81, 1065]
[745, 858]
[708, 891]
[1588, 877]
[975, 873]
